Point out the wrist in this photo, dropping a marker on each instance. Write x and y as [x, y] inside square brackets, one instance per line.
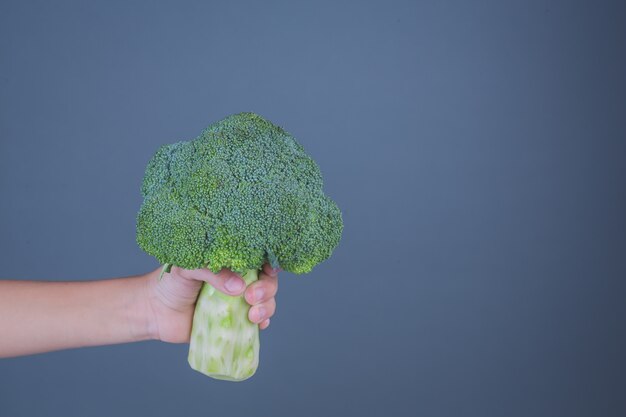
[142, 320]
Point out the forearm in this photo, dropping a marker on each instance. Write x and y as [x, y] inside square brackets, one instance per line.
[38, 317]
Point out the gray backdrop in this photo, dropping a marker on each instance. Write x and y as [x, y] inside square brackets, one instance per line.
[475, 147]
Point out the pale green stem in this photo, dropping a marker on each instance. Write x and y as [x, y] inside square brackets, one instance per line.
[224, 342]
[166, 268]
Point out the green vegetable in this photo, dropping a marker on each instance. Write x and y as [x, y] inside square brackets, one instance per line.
[241, 194]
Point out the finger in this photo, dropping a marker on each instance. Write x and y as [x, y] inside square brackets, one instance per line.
[264, 324]
[224, 281]
[260, 312]
[262, 290]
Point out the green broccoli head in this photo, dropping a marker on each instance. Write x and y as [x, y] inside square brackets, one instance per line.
[242, 193]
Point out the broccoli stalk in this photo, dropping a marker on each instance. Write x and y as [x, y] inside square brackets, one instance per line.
[241, 194]
[224, 343]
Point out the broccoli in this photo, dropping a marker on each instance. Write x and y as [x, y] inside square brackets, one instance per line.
[241, 194]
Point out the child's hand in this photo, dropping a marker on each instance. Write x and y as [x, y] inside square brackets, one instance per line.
[172, 299]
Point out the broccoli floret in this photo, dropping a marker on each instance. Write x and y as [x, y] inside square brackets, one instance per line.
[242, 193]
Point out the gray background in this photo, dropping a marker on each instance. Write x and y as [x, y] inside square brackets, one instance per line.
[475, 147]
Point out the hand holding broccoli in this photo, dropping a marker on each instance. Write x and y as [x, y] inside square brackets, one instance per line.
[173, 298]
[243, 197]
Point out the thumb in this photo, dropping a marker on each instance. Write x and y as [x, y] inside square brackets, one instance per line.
[224, 281]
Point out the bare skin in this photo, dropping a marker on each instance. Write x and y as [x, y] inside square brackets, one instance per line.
[37, 317]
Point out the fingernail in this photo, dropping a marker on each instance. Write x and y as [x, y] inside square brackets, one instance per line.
[234, 284]
[260, 313]
[258, 294]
